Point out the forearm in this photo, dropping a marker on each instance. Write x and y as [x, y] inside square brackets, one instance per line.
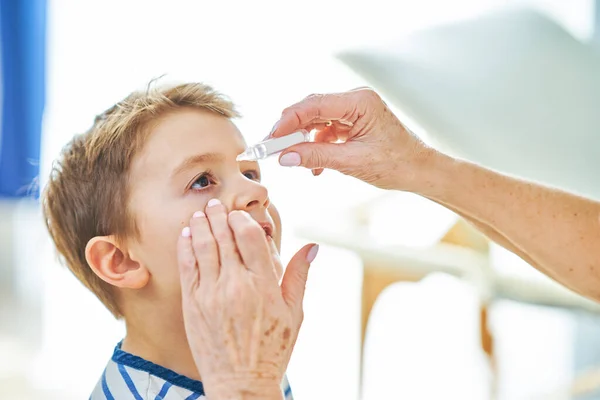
[490, 232]
[556, 232]
[495, 236]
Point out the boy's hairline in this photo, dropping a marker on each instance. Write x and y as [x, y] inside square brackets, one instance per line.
[216, 104]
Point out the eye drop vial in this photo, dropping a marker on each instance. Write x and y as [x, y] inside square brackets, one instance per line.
[270, 147]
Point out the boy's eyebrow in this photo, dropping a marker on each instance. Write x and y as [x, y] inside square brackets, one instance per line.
[197, 159]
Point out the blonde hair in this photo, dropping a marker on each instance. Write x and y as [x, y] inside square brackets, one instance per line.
[87, 193]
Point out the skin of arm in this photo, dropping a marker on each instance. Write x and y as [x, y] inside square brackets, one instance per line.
[556, 232]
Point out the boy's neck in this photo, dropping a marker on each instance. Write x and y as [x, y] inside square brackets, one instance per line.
[162, 341]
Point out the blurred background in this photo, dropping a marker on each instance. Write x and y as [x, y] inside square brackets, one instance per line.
[405, 300]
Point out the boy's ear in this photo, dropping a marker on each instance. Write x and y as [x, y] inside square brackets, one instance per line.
[113, 265]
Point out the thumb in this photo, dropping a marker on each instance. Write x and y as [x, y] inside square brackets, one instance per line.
[314, 155]
[293, 283]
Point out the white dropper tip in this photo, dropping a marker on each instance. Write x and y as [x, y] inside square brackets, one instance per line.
[247, 155]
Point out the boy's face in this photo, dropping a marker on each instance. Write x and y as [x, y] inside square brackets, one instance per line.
[188, 159]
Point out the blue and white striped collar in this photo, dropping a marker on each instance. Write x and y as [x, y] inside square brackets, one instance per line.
[124, 358]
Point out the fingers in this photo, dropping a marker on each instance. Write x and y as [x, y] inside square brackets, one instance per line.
[293, 284]
[252, 243]
[217, 216]
[220, 241]
[347, 114]
[315, 156]
[186, 261]
[347, 106]
[315, 108]
[204, 248]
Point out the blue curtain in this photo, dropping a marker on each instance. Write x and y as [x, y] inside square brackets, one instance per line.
[597, 21]
[23, 68]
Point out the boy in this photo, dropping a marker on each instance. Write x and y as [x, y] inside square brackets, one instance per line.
[115, 205]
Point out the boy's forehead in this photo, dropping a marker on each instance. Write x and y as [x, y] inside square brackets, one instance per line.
[186, 133]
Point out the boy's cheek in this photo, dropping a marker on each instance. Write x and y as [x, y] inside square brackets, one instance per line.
[274, 213]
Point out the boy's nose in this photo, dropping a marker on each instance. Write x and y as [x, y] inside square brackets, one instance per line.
[251, 195]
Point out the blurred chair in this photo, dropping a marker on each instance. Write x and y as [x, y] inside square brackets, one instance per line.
[462, 252]
[512, 91]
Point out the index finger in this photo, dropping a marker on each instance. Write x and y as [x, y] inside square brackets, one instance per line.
[346, 107]
[186, 260]
[252, 243]
[204, 248]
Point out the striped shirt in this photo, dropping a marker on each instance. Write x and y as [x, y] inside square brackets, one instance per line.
[131, 377]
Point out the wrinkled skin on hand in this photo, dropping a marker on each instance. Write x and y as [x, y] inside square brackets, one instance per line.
[240, 323]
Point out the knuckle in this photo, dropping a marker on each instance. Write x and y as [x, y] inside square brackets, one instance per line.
[293, 113]
[371, 94]
[201, 242]
[290, 110]
[374, 96]
[313, 96]
[317, 160]
[310, 101]
[300, 318]
[188, 262]
[222, 236]
[286, 111]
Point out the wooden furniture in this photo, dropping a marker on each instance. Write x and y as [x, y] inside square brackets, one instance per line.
[462, 252]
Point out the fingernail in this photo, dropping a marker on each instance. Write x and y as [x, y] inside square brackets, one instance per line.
[312, 253]
[314, 172]
[186, 232]
[290, 159]
[213, 202]
[199, 214]
[274, 128]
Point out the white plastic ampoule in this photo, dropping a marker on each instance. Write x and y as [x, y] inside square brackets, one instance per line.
[270, 147]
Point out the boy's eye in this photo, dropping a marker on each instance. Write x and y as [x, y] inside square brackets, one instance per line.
[252, 175]
[202, 181]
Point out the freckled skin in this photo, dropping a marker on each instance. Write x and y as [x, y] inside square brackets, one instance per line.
[272, 328]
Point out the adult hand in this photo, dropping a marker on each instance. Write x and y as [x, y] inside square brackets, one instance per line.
[241, 325]
[375, 146]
